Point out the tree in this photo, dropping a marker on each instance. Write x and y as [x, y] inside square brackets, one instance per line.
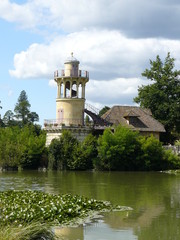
[162, 97]
[62, 152]
[8, 119]
[103, 110]
[33, 147]
[67, 153]
[125, 149]
[85, 154]
[33, 117]
[22, 107]
[119, 150]
[22, 110]
[21, 147]
[1, 122]
[87, 120]
[155, 157]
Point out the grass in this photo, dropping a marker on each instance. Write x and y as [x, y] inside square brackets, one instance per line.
[34, 231]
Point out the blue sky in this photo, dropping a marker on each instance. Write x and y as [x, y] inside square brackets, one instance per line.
[112, 39]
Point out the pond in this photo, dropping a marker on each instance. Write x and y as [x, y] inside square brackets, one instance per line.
[154, 197]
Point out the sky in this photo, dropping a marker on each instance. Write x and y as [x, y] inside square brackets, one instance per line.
[113, 39]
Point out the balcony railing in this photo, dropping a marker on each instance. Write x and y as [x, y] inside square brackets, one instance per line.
[71, 73]
[72, 123]
[62, 122]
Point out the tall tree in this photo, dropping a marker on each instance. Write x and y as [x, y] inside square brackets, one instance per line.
[1, 122]
[8, 119]
[22, 110]
[33, 117]
[22, 107]
[162, 97]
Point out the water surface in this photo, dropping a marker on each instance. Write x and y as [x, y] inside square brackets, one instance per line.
[154, 197]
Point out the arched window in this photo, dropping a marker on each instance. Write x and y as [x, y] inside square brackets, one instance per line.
[62, 90]
[74, 90]
[67, 89]
[80, 91]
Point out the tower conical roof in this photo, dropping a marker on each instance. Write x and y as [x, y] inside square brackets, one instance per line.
[71, 59]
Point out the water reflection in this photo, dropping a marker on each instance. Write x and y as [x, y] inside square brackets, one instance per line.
[155, 198]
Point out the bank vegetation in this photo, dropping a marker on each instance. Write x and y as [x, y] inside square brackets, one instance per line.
[118, 150]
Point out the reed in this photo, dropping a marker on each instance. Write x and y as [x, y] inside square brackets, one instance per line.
[34, 231]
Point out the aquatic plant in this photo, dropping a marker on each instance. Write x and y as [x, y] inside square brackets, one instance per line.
[31, 215]
[22, 207]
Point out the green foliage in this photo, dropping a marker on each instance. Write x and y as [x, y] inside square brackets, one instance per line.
[22, 107]
[86, 154]
[33, 231]
[21, 147]
[177, 143]
[87, 120]
[171, 161]
[10, 150]
[123, 150]
[1, 123]
[33, 117]
[127, 150]
[54, 155]
[118, 150]
[67, 153]
[152, 153]
[22, 114]
[33, 148]
[162, 96]
[22, 110]
[8, 119]
[103, 110]
[62, 151]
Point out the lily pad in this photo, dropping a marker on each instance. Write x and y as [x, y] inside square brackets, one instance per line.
[25, 207]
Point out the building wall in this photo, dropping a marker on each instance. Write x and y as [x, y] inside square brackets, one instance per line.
[70, 111]
[78, 132]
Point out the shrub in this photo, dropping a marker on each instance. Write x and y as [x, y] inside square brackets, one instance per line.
[62, 151]
[118, 150]
[155, 157]
[21, 146]
[86, 154]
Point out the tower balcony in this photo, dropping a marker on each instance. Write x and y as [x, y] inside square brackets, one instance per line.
[63, 122]
[71, 73]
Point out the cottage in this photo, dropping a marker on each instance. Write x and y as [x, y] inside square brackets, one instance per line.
[138, 119]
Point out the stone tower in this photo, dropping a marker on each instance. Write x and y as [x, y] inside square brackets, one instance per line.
[70, 101]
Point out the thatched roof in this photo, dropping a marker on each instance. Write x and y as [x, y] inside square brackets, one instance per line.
[137, 118]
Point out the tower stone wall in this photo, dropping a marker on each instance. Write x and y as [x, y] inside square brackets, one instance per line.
[70, 102]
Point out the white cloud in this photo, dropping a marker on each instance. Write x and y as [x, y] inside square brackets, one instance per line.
[34, 62]
[142, 18]
[117, 91]
[22, 14]
[106, 54]
[52, 83]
